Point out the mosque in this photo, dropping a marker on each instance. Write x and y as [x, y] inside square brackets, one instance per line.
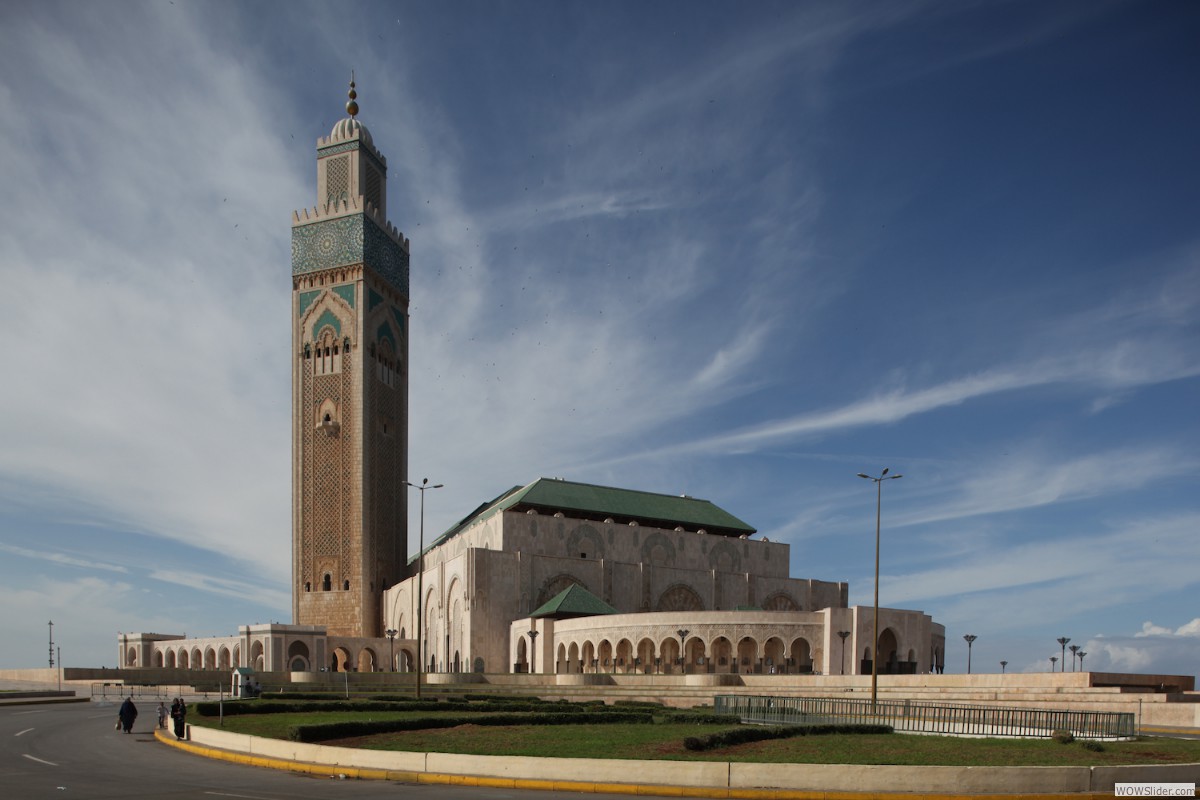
[552, 577]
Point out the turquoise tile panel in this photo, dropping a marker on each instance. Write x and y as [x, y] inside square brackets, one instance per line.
[346, 292]
[307, 299]
[384, 331]
[374, 298]
[327, 318]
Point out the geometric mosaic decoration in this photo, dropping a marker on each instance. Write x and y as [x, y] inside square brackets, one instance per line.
[353, 239]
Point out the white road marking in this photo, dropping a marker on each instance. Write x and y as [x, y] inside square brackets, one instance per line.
[22, 713]
[246, 796]
[39, 760]
[22, 733]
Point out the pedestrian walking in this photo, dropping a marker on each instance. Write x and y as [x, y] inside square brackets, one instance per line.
[179, 716]
[127, 714]
[162, 715]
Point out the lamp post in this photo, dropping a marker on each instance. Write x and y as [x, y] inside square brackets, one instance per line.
[1003, 665]
[843, 635]
[51, 623]
[970, 640]
[1074, 652]
[1053, 661]
[391, 634]
[421, 576]
[1063, 640]
[532, 651]
[1081, 655]
[883, 476]
[682, 633]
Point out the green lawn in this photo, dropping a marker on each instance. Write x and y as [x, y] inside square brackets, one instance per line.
[665, 741]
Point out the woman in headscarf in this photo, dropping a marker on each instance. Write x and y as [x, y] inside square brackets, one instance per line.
[178, 715]
[127, 714]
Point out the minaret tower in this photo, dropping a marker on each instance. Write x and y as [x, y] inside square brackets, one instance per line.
[349, 389]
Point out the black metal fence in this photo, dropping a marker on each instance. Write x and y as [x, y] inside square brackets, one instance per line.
[944, 718]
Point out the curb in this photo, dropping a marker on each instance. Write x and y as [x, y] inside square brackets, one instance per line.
[584, 787]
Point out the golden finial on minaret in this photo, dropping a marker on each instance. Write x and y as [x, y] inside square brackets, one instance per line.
[351, 106]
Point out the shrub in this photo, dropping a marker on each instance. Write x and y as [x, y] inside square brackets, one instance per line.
[1092, 745]
[1062, 736]
[744, 734]
[339, 730]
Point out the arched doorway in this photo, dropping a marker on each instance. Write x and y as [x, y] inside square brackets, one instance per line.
[339, 660]
[801, 657]
[747, 655]
[722, 656]
[298, 657]
[889, 658]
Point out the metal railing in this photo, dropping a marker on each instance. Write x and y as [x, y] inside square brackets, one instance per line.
[115, 691]
[944, 718]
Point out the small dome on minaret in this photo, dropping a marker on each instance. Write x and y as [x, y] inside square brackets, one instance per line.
[350, 127]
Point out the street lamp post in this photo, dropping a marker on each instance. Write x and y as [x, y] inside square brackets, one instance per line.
[1003, 666]
[421, 577]
[1081, 655]
[875, 636]
[1063, 640]
[391, 634]
[1053, 661]
[843, 635]
[52, 643]
[970, 639]
[532, 651]
[1074, 652]
[682, 633]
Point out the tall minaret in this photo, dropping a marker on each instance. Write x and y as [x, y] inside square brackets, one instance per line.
[349, 389]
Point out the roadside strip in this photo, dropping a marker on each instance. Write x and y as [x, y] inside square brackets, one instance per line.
[586, 787]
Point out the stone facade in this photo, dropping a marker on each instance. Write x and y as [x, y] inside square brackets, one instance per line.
[350, 391]
[744, 612]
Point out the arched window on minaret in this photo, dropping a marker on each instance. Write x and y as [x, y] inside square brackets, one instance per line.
[329, 353]
[385, 363]
[327, 583]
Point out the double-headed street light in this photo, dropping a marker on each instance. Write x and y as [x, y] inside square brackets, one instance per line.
[421, 576]
[883, 476]
[391, 635]
[682, 633]
[843, 635]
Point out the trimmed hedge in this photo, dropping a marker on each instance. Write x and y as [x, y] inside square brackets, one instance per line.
[685, 718]
[235, 707]
[742, 735]
[321, 732]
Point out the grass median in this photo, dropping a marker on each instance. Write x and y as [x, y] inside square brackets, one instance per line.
[664, 740]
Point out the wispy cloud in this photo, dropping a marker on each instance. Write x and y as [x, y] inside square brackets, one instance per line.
[248, 591]
[64, 559]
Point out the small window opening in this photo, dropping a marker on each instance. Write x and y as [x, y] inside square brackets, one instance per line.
[327, 584]
[346, 586]
[308, 586]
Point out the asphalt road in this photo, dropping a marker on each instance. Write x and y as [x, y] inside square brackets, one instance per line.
[72, 751]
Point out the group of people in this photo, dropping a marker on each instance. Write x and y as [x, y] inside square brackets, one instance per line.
[178, 714]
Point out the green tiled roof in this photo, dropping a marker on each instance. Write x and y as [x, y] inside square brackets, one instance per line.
[588, 501]
[574, 601]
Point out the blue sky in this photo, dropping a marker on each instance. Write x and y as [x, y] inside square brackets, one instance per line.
[740, 251]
